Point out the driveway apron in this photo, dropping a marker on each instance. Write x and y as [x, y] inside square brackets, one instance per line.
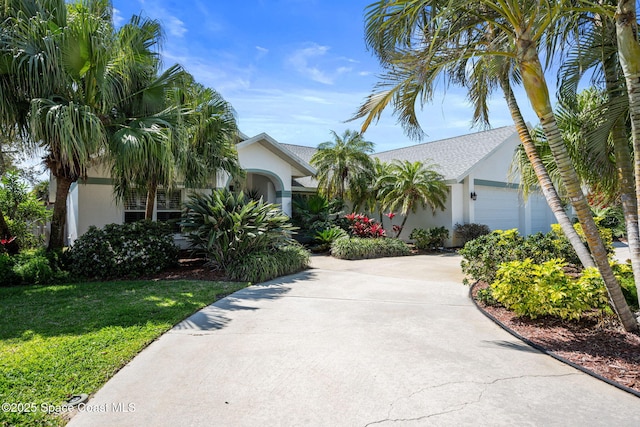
[381, 342]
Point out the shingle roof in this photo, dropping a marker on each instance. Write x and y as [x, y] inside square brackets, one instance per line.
[453, 156]
[301, 151]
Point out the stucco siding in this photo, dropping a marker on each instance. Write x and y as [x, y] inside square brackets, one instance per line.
[98, 207]
[255, 157]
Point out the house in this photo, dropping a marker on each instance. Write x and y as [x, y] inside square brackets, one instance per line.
[474, 167]
[270, 170]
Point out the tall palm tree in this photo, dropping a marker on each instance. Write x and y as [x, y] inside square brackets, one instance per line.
[430, 37]
[69, 72]
[343, 163]
[409, 185]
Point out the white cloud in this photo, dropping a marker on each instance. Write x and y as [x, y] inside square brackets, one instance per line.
[301, 58]
[118, 19]
[174, 26]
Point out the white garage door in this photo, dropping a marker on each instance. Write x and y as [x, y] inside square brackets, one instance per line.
[499, 208]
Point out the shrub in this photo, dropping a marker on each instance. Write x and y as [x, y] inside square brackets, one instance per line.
[430, 239]
[33, 269]
[363, 248]
[227, 228]
[7, 276]
[624, 273]
[468, 232]
[535, 290]
[481, 257]
[325, 238]
[362, 226]
[125, 250]
[606, 234]
[312, 214]
[266, 265]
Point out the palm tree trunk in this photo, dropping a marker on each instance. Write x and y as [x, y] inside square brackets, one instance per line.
[59, 217]
[629, 57]
[404, 221]
[538, 93]
[546, 185]
[624, 167]
[151, 201]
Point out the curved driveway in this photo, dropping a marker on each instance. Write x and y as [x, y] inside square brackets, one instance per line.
[380, 342]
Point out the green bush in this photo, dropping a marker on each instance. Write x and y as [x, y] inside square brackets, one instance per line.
[468, 232]
[429, 239]
[226, 227]
[535, 290]
[7, 275]
[266, 265]
[363, 248]
[482, 256]
[126, 250]
[33, 269]
[624, 273]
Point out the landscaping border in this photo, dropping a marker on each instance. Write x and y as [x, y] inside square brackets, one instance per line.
[547, 352]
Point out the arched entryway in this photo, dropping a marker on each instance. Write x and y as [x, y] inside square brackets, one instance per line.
[269, 186]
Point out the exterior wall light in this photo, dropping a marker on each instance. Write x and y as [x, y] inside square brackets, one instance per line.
[474, 196]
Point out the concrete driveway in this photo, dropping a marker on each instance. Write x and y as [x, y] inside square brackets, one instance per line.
[352, 343]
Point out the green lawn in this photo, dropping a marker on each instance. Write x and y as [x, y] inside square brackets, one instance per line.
[57, 341]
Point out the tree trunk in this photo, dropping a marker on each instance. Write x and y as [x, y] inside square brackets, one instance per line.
[151, 201]
[59, 217]
[624, 167]
[404, 221]
[546, 185]
[538, 93]
[629, 57]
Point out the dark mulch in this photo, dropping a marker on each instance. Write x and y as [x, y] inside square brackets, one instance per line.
[189, 269]
[598, 344]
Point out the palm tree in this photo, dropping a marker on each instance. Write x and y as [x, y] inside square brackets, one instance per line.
[408, 185]
[69, 71]
[429, 37]
[342, 164]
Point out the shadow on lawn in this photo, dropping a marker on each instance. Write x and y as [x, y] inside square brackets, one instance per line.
[79, 309]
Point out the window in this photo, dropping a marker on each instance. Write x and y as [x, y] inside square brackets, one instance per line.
[168, 207]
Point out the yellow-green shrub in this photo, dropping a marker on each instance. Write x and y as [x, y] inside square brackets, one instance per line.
[535, 290]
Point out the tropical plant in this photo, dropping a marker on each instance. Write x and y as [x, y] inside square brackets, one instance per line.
[408, 185]
[362, 226]
[193, 137]
[226, 227]
[516, 31]
[325, 238]
[313, 214]
[68, 71]
[343, 165]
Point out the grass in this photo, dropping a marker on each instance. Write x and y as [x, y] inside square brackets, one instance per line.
[58, 341]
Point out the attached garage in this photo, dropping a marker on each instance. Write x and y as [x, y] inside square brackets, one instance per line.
[499, 208]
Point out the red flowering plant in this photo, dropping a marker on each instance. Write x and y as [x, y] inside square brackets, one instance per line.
[397, 229]
[362, 226]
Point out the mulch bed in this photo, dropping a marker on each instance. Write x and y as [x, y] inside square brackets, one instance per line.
[597, 344]
[189, 269]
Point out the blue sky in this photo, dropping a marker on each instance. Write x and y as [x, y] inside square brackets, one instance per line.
[295, 69]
